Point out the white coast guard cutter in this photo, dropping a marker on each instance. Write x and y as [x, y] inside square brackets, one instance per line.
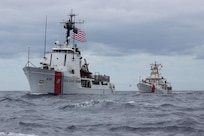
[62, 71]
[154, 83]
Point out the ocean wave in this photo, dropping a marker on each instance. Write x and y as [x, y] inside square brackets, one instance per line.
[107, 104]
[83, 104]
[169, 106]
[99, 104]
[29, 124]
[124, 128]
[121, 114]
[162, 129]
[128, 105]
[191, 121]
[88, 127]
[18, 101]
[117, 105]
[15, 134]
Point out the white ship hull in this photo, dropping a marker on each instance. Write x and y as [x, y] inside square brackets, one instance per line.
[44, 81]
[147, 88]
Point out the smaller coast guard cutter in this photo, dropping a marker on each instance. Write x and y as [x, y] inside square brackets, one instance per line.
[63, 71]
[154, 83]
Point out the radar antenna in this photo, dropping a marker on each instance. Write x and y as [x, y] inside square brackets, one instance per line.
[70, 25]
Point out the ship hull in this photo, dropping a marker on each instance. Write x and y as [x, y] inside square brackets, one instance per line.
[44, 81]
[148, 88]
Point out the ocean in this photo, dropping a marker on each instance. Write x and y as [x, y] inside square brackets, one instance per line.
[122, 114]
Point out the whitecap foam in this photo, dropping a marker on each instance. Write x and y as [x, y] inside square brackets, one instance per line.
[131, 102]
[15, 134]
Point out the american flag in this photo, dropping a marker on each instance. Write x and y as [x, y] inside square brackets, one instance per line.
[79, 35]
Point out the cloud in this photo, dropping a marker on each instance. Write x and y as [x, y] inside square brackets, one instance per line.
[197, 52]
[124, 37]
[154, 27]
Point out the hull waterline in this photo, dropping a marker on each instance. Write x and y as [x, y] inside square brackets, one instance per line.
[147, 88]
[43, 81]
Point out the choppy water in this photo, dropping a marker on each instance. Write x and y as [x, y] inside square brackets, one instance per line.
[122, 114]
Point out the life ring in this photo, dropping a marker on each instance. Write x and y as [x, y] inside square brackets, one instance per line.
[153, 88]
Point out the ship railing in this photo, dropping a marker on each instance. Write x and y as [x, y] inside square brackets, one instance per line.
[28, 64]
[103, 78]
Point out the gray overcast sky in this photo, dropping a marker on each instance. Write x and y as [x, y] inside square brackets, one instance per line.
[124, 36]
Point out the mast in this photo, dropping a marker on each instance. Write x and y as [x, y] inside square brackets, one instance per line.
[70, 25]
[45, 36]
[155, 69]
[28, 56]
